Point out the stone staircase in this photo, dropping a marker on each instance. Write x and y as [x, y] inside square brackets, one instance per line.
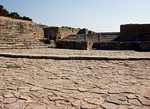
[20, 41]
[20, 34]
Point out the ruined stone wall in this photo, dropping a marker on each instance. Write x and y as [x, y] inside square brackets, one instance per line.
[51, 33]
[116, 46]
[66, 31]
[13, 27]
[145, 46]
[72, 45]
[135, 32]
[56, 33]
[89, 40]
[20, 34]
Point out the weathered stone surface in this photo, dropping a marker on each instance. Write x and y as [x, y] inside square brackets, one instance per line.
[134, 102]
[57, 33]
[9, 100]
[110, 106]
[144, 101]
[19, 34]
[35, 106]
[74, 84]
[131, 96]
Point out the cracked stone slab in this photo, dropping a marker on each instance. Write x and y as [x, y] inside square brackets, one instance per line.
[74, 84]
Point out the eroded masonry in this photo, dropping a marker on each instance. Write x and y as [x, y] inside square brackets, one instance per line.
[26, 34]
[130, 37]
[27, 83]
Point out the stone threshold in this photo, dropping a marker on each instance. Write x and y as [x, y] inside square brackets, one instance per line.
[70, 57]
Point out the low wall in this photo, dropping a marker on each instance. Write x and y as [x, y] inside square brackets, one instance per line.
[116, 46]
[145, 46]
[71, 45]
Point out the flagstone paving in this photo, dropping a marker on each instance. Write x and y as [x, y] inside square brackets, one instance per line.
[74, 84]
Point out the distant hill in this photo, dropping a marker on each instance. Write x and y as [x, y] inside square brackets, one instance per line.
[14, 15]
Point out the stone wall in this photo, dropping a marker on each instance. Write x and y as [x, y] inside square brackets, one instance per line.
[72, 45]
[19, 34]
[89, 40]
[117, 46]
[145, 46]
[135, 32]
[57, 33]
[13, 26]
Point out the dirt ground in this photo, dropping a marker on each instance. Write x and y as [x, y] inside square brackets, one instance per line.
[74, 84]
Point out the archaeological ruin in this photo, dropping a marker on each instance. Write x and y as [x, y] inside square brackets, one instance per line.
[20, 34]
[44, 67]
[26, 34]
[130, 37]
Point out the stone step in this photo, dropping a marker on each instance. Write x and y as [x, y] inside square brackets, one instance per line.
[22, 44]
[20, 36]
[11, 42]
[19, 39]
[31, 47]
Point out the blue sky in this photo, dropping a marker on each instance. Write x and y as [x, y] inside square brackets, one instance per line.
[97, 15]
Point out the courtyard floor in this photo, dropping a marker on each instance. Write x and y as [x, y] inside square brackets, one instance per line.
[74, 84]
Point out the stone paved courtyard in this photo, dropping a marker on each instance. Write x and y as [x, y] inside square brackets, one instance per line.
[74, 84]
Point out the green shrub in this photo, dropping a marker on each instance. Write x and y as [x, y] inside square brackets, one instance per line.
[26, 18]
[14, 15]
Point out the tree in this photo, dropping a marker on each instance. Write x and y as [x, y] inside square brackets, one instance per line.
[1, 7]
[26, 18]
[14, 15]
[3, 12]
